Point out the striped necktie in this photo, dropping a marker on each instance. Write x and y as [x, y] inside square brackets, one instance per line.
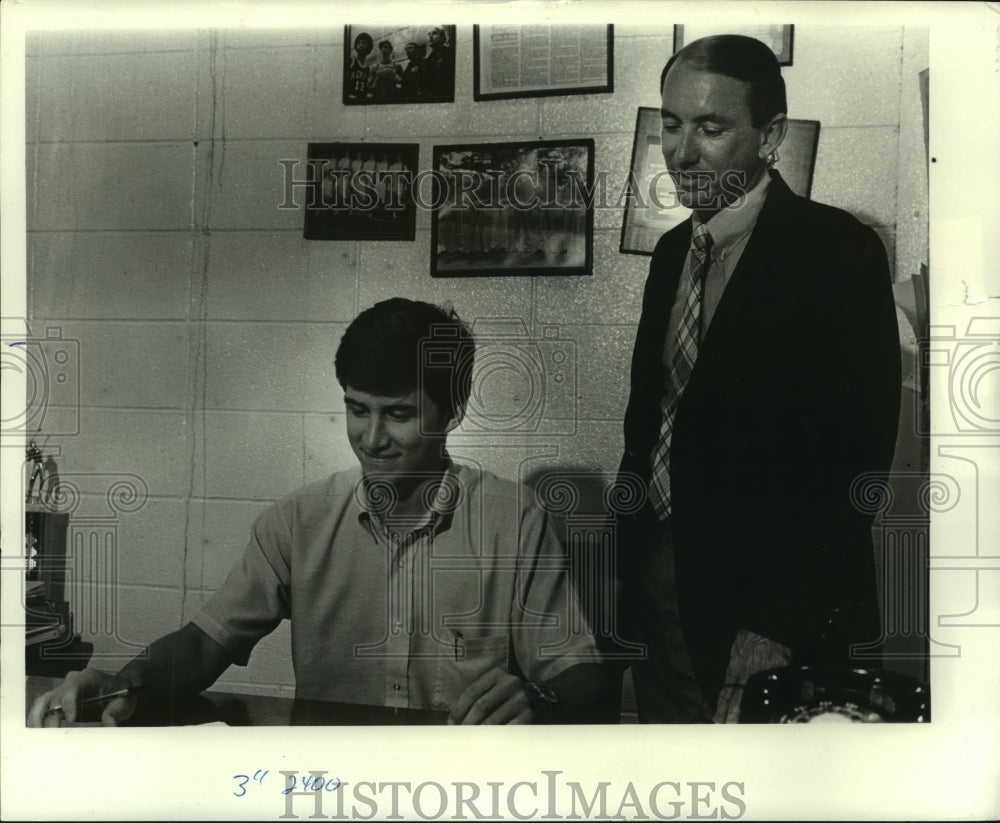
[681, 365]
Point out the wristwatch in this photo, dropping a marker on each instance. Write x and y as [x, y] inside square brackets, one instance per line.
[542, 699]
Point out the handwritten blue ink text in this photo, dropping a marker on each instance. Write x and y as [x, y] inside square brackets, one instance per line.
[311, 783]
[258, 777]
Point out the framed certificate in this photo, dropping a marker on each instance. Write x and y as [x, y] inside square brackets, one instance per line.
[779, 38]
[539, 61]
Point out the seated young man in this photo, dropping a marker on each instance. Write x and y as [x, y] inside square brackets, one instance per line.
[410, 580]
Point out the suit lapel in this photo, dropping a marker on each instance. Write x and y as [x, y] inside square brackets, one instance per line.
[668, 267]
[673, 261]
[757, 257]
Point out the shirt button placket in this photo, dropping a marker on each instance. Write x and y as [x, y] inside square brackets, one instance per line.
[397, 665]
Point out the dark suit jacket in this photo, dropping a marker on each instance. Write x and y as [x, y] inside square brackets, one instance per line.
[795, 393]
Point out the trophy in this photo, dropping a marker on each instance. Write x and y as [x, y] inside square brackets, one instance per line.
[34, 454]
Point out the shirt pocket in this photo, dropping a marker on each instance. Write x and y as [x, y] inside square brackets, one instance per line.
[473, 657]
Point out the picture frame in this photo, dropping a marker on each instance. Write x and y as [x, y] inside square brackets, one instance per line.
[416, 66]
[513, 209]
[655, 209]
[797, 155]
[780, 37]
[583, 64]
[361, 191]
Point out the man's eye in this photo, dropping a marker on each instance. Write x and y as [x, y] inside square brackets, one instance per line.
[356, 411]
[710, 131]
[671, 128]
[400, 416]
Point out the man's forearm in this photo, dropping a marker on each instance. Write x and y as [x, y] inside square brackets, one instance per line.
[181, 663]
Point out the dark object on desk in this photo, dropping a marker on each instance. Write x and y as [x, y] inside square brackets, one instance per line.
[51, 647]
[804, 694]
[45, 551]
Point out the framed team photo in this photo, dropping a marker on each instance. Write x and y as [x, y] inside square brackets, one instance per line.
[386, 64]
[361, 191]
[512, 208]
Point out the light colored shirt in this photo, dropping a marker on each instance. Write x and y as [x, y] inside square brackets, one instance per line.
[730, 229]
[404, 614]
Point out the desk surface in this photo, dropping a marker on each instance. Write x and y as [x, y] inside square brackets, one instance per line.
[252, 710]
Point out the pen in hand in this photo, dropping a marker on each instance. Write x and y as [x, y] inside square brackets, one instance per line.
[102, 698]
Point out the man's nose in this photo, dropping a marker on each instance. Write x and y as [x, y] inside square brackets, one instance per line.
[374, 438]
[684, 151]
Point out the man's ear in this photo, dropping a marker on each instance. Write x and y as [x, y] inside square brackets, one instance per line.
[774, 134]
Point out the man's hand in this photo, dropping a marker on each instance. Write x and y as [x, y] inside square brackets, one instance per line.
[76, 687]
[495, 697]
[751, 653]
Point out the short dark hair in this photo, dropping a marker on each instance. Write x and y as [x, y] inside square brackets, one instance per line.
[385, 43]
[742, 58]
[399, 345]
[364, 36]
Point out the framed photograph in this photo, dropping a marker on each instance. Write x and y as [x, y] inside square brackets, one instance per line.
[540, 61]
[512, 209]
[797, 155]
[779, 38]
[386, 64]
[655, 208]
[361, 191]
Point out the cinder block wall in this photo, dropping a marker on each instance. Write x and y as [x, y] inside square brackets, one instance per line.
[207, 325]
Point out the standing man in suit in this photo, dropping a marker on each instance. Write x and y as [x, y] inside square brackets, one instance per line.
[765, 379]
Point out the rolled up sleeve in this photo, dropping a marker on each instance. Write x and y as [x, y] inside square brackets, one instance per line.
[255, 596]
[551, 632]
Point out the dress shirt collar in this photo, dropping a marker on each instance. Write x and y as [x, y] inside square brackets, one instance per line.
[733, 223]
[371, 497]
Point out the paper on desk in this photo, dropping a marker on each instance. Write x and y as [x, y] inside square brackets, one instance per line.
[98, 724]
